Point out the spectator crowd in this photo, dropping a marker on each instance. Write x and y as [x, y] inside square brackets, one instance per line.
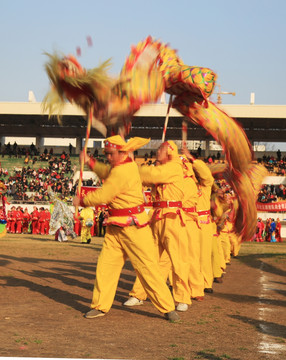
[30, 185]
[269, 231]
[274, 165]
[37, 222]
[272, 193]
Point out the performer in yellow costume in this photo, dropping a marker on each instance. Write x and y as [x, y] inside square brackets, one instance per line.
[127, 233]
[235, 239]
[205, 183]
[196, 278]
[230, 241]
[86, 217]
[168, 222]
[218, 262]
[218, 207]
[196, 281]
[225, 236]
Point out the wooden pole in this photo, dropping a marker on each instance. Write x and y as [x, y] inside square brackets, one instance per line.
[184, 133]
[88, 128]
[167, 119]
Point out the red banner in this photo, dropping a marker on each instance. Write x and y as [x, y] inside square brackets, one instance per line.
[279, 206]
[86, 189]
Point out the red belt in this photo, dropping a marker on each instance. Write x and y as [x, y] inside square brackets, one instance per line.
[126, 212]
[205, 212]
[190, 209]
[167, 204]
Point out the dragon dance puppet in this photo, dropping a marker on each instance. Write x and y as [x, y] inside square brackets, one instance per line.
[61, 217]
[152, 68]
[3, 218]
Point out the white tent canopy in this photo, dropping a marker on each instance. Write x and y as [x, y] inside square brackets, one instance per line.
[275, 180]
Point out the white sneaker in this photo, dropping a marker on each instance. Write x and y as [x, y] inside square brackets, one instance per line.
[182, 307]
[133, 301]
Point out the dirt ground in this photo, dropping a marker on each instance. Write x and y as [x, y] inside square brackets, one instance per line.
[46, 287]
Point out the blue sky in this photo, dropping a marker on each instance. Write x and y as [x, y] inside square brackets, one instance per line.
[242, 41]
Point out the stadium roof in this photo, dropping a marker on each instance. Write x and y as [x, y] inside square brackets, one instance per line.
[261, 122]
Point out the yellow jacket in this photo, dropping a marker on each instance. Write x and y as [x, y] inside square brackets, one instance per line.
[121, 189]
[169, 182]
[190, 191]
[206, 180]
[85, 214]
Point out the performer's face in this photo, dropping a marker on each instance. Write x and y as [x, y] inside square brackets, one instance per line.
[162, 154]
[113, 156]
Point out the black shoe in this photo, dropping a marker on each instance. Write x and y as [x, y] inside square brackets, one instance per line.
[88, 241]
[172, 316]
[208, 290]
[93, 313]
[218, 280]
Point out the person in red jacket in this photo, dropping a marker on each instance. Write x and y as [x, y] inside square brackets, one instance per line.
[77, 225]
[26, 221]
[35, 219]
[19, 220]
[278, 230]
[8, 226]
[13, 220]
[2, 215]
[47, 222]
[42, 218]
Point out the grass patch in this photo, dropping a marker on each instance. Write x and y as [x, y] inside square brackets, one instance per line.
[225, 356]
[24, 341]
[202, 322]
[38, 341]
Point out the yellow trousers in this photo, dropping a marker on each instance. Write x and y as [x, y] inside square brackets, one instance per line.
[206, 237]
[85, 234]
[173, 252]
[235, 243]
[138, 245]
[174, 244]
[165, 269]
[225, 242]
[218, 262]
[196, 278]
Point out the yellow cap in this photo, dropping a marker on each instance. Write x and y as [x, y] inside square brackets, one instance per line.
[117, 142]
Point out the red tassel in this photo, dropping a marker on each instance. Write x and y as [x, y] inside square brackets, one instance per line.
[78, 51]
[89, 40]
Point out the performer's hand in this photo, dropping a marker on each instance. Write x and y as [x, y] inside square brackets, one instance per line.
[84, 157]
[76, 201]
[186, 152]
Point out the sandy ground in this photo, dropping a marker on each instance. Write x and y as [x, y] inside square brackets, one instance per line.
[46, 287]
